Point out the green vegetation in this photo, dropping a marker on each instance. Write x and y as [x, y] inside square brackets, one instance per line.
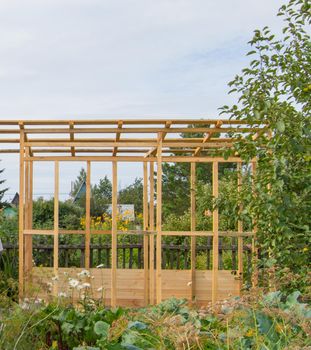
[272, 322]
[275, 90]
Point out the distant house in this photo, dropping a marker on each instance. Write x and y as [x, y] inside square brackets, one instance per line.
[80, 193]
[11, 210]
[126, 211]
[15, 200]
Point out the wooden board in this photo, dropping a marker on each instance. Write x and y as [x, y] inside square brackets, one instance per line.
[130, 291]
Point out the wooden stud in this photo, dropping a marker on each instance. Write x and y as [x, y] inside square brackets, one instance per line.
[159, 222]
[21, 217]
[146, 239]
[193, 227]
[151, 222]
[114, 234]
[215, 236]
[254, 240]
[56, 226]
[88, 216]
[28, 213]
[240, 230]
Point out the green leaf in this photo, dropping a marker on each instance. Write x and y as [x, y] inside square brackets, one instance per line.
[250, 53]
[101, 328]
[280, 126]
[137, 324]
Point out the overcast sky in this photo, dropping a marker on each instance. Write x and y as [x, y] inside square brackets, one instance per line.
[120, 59]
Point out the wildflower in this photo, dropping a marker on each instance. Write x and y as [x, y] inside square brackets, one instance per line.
[100, 266]
[100, 289]
[55, 278]
[73, 283]
[189, 284]
[84, 273]
[249, 333]
[62, 295]
[86, 285]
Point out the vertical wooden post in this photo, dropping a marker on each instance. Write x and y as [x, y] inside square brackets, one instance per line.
[21, 216]
[151, 222]
[114, 234]
[254, 243]
[159, 220]
[28, 213]
[146, 239]
[240, 230]
[88, 216]
[56, 224]
[215, 236]
[193, 228]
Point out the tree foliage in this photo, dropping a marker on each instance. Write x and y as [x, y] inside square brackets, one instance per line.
[2, 191]
[276, 90]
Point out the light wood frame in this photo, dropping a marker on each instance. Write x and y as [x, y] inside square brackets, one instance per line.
[156, 147]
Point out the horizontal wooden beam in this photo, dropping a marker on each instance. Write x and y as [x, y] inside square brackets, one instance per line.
[165, 159]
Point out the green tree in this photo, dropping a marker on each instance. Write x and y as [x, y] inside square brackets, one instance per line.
[133, 194]
[101, 196]
[275, 90]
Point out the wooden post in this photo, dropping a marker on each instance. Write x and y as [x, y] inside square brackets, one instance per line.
[88, 216]
[240, 230]
[193, 228]
[114, 234]
[215, 236]
[28, 213]
[159, 220]
[146, 245]
[151, 222]
[254, 243]
[56, 225]
[21, 216]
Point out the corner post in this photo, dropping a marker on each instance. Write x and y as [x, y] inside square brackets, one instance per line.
[151, 224]
[240, 231]
[159, 219]
[215, 236]
[88, 216]
[146, 239]
[114, 234]
[56, 225]
[193, 227]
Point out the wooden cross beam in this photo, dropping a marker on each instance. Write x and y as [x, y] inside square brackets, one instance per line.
[153, 151]
[72, 137]
[118, 135]
[206, 138]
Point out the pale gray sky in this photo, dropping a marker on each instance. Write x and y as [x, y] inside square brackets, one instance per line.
[120, 59]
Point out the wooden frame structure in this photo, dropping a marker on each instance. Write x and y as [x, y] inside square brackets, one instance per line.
[151, 142]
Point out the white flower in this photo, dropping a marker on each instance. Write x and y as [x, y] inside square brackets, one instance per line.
[84, 273]
[86, 285]
[73, 283]
[100, 266]
[189, 284]
[100, 289]
[55, 278]
[62, 295]
[80, 287]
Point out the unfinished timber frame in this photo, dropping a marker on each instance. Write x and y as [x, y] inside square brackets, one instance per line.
[152, 143]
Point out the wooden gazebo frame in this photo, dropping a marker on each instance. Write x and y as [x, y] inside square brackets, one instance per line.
[151, 142]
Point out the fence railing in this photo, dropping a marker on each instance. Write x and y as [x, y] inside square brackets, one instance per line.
[130, 255]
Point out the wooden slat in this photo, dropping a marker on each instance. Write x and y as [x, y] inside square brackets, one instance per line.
[118, 135]
[28, 213]
[193, 227]
[206, 138]
[240, 230]
[114, 234]
[254, 240]
[153, 151]
[215, 236]
[146, 239]
[56, 225]
[72, 137]
[21, 217]
[171, 159]
[88, 215]
[151, 228]
[159, 222]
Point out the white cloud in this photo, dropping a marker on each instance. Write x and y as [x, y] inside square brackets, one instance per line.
[81, 58]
